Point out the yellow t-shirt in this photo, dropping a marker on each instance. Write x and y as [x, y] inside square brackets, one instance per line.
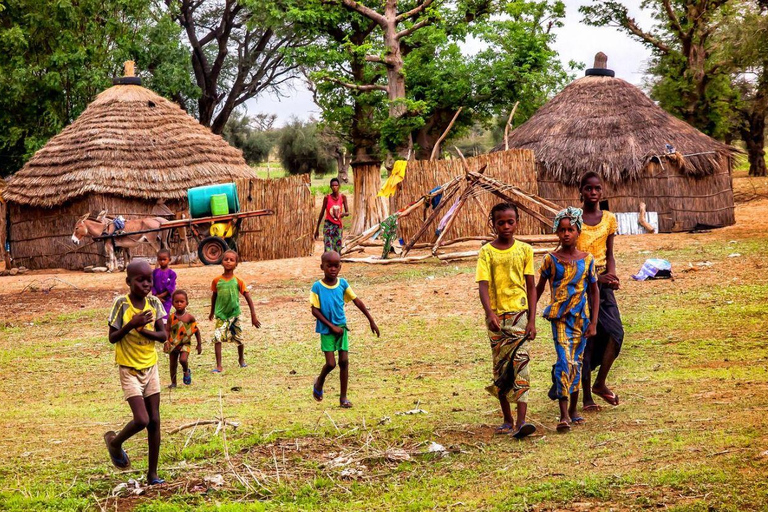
[593, 238]
[134, 350]
[505, 272]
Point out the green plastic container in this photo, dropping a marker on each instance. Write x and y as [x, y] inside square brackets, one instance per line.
[219, 204]
[200, 199]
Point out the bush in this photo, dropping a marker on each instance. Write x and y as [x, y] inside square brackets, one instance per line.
[302, 150]
[255, 144]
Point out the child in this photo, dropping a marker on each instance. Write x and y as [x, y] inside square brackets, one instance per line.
[130, 323]
[596, 238]
[333, 213]
[225, 307]
[573, 310]
[506, 285]
[327, 298]
[164, 280]
[180, 328]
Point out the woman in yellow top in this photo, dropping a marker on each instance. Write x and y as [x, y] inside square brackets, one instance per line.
[596, 238]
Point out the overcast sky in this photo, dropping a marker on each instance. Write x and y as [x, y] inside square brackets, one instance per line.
[575, 41]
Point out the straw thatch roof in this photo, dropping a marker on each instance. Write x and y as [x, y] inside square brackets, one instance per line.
[605, 124]
[129, 142]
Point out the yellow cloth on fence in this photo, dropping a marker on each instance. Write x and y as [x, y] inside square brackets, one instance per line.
[398, 174]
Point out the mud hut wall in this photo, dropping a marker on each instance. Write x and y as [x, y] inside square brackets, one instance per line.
[288, 233]
[515, 167]
[702, 201]
[42, 237]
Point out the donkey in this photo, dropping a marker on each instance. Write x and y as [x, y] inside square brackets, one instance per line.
[88, 227]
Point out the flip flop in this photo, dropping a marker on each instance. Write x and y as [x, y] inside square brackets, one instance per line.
[611, 397]
[156, 481]
[215, 370]
[525, 430]
[505, 428]
[592, 408]
[578, 420]
[317, 394]
[345, 404]
[563, 426]
[187, 379]
[243, 365]
[122, 463]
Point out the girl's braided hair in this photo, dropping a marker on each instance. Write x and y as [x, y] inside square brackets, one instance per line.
[586, 177]
[502, 207]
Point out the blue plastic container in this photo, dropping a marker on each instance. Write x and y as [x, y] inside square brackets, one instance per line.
[200, 199]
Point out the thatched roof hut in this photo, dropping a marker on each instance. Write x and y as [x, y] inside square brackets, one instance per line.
[129, 150]
[644, 154]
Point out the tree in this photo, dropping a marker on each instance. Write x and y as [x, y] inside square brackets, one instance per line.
[302, 151]
[255, 143]
[237, 52]
[691, 77]
[55, 57]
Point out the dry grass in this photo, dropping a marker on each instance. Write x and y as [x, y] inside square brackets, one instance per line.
[689, 435]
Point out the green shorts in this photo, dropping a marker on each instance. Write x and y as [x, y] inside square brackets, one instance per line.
[332, 343]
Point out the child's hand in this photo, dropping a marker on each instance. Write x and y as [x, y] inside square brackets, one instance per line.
[317, 234]
[255, 321]
[530, 330]
[140, 320]
[591, 330]
[375, 329]
[337, 331]
[167, 347]
[199, 349]
[493, 323]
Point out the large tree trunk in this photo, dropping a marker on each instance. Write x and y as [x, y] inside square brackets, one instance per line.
[755, 142]
[368, 208]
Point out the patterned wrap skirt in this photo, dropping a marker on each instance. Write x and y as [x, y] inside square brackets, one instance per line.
[331, 237]
[568, 334]
[510, 358]
[609, 327]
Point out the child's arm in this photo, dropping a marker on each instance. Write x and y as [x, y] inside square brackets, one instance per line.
[167, 344]
[610, 276]
[346, 210]
[361, 307]
[594, 309]
[197, 336]
[213, 305]
[532, 292]
[138, 320]
[540, 287]
[320, 218]
[338, 331]
[254, 321]
[485, 299]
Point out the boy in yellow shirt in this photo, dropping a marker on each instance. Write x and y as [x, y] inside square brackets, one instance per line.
[131, 323]
[508, 295]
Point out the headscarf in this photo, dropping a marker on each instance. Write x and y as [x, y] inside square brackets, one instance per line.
[572, 213]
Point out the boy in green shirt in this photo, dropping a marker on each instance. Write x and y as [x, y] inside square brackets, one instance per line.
[225, 308]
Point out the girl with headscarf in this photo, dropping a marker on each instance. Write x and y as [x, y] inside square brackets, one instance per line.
[573, 311]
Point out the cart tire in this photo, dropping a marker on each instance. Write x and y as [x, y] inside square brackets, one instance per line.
[211, 250]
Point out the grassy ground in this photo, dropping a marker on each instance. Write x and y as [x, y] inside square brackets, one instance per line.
[690, 434]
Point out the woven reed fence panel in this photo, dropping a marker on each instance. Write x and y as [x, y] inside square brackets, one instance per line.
[288, 233]
[3, 217]
[515, 167]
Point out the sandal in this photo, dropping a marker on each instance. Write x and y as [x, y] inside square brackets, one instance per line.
[525, 430]
[505, 428]
[592, 408]
[578, 420]
[345, 404]
[187, 379]
[317, 394]
[216, 370]
[156, 481]
[563, 427]
[610, 397]
[123, 462]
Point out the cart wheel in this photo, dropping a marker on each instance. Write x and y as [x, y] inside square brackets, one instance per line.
[211, 250]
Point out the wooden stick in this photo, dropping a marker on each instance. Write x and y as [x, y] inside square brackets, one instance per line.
[641, 220]
[447, 195]
[506, 127]
[378, 261]
[436, 147]
[462, 199]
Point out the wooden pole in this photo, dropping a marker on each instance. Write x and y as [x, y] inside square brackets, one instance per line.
[447, 195]
[436, 148]
[462, 200]
[506, 127]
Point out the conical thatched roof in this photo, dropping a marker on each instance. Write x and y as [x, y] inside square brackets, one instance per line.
[129, 142]
[605, 124]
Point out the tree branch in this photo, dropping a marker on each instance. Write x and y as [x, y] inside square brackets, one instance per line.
[373, 58]
[412, 29]
[365, 11]
[673, 19]
[360, 88]
[649, 38]
[413, 12]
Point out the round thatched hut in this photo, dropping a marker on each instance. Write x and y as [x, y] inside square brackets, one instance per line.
[604, 124]
[132, 153]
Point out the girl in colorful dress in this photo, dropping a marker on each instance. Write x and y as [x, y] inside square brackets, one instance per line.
[596, 238]
[180, 328]
[334, 209]
[573, 310]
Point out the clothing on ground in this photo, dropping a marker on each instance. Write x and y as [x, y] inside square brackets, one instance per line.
[505, 271]
[227, 296]
[332, 234]
[135, 350]
[509, 347]
[227, 331]
[330, 301]
[180, 335]
[335, 342]
[593, 239]
[164, 280]
[569, 282]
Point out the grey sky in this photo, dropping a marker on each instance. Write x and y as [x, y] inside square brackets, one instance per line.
[575, 41]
